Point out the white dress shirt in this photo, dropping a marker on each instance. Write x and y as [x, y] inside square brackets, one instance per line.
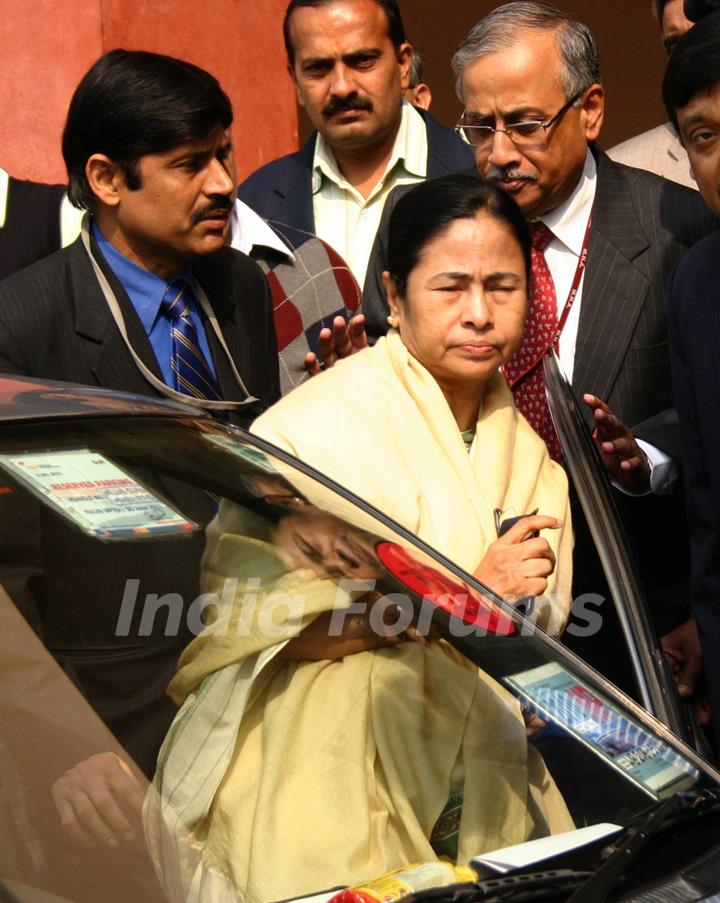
[568, 223]
[249, 230]
[4, 182]
[343, 217]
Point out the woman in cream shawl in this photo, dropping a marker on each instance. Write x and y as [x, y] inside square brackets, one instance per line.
[345, 750]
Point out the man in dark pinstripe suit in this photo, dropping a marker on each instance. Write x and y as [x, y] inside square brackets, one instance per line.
[525, 63]
[148, 151]
[529, 78]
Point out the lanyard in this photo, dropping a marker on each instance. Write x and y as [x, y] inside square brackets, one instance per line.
[575, 287]
[156, 383]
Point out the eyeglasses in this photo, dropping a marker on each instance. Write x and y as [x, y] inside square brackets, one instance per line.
[522, 134]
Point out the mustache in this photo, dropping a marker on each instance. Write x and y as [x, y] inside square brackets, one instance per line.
[508, 173]
[345, 104]
[219, 204]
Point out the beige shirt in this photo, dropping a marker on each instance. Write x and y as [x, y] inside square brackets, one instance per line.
[660, 151]
[343, 217]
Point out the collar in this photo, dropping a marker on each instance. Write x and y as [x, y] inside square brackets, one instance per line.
[248, 231]
[4, 182]
[410, 149]
[145, 289]
[568, 222]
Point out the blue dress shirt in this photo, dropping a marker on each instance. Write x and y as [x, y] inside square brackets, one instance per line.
[146, 291]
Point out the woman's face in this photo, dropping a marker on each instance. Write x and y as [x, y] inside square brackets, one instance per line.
[465, 301]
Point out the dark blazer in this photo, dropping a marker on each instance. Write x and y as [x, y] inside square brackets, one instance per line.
[282, 190]
[32, 224]
[55, 323]
[642, 225]
[694, 321]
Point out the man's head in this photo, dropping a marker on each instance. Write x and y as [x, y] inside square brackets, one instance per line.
[528, 62]
[349, 60]
[672, 20]
[148, 151]
[418, 92]
[691, 91]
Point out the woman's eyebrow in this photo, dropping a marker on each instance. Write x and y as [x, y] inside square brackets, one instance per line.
[504, 275]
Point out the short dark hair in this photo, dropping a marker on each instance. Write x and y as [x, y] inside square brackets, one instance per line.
[396, 29]
[431, 206]
[659, 9]
[694, 65]
[415, 74]
[131, 103]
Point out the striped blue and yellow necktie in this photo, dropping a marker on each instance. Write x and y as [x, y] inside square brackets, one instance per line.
[190, 369]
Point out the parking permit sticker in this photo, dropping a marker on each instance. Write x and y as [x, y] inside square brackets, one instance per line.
[559, 698]
[96, 495]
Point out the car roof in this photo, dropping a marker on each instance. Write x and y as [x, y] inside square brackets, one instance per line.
[27, 398]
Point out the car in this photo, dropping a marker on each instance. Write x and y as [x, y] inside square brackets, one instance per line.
[108, 503]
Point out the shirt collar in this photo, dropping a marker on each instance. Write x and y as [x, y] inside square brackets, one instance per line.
[4, 182]
[248, 231]
[568, 222]
[410, 149]
[145, 289]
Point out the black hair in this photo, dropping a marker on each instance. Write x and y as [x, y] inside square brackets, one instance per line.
[131, 103]
[396, 29]
[694, 65]
[431, 206]
[659, 9]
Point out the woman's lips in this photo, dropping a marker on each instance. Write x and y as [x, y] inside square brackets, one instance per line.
[478, 349]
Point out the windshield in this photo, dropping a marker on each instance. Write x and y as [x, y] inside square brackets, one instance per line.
[158, 540]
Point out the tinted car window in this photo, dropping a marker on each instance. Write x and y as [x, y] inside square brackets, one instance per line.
[266, 544]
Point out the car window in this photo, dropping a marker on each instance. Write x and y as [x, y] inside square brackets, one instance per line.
[268, 548]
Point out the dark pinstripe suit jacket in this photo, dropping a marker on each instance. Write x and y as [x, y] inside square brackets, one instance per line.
[55, 323]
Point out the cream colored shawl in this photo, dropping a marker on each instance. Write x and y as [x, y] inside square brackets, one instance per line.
[378, 424]
[331, 772]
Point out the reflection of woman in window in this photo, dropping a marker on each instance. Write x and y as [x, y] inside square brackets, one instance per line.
[343, 764]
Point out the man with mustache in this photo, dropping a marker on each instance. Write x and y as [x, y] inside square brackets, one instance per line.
[607, 237]
[350, 61]
[149, 156]
[148, 300]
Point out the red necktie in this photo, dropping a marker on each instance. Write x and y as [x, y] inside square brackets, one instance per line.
[524, 372]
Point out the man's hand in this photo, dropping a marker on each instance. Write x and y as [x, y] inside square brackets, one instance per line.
[684, 653]
[624, 460]
[100, 800]
[344, 339]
